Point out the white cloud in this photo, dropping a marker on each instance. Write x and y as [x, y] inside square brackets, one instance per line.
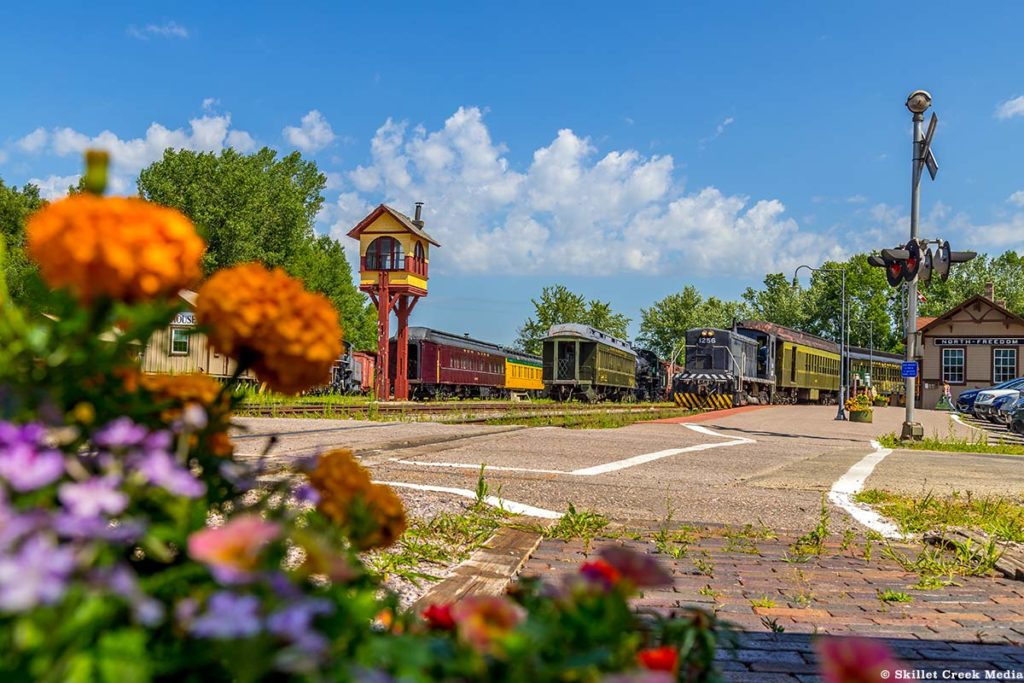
[1010, 108]
[54, 186]
[34, 141]
[1017, 198]
[208, 133]
[572, 210]
[209, 103]
[313, 135]
[719, 129]
[169, 29]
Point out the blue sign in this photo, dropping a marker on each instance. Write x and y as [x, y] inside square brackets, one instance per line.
[908, 369]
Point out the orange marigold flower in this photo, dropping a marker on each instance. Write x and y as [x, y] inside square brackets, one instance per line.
[290, 337]
[659, 658]
[119, 247]
[373, 513]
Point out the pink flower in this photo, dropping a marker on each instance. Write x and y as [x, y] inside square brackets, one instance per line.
[483, 620]
[856, 660]
[643, 571]
[233, 550]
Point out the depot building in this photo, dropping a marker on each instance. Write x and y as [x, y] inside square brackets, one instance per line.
[971, 346]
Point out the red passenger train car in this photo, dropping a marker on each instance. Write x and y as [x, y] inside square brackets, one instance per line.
[443, 365]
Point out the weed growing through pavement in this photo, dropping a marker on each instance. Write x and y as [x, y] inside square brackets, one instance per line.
[704, 565]
[709, 592]
[773, 625]
[962, 558]
[604, 419]
[763, 601]
[574, 524]
[813, 542]
[803, 599]
[995, 515]
[849, 536]
[889, 596]
[867, 549]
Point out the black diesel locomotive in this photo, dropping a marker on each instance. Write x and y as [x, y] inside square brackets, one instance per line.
[724, 368]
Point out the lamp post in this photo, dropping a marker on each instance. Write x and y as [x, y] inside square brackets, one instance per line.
[871, 345]
[918, 103]
[843, 335]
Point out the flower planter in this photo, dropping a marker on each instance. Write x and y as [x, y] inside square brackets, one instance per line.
[860, 416]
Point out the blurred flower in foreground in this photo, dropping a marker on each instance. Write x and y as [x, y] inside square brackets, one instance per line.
[439, 617]
[481, 621]
[856, 660]
[26, 462]
[659, 659]
[227, 616]
[642, 570]
[640, 677]
[288, 336]
[124, 248]
[600, 572]
[233, 551]
[37, 573]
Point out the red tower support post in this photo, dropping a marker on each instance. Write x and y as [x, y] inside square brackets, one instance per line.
[383, 379]
[403, 308]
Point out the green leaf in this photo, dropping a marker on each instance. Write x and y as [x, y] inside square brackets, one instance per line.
[121, 657]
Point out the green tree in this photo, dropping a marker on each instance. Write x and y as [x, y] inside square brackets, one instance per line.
[22, 276]
[1005, 272]
[258, 207]
[558, 305]
[663, 326]
[781, 301]
[252, 207]
[873, 306]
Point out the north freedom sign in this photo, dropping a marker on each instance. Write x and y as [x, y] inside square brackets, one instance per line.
[978, 341]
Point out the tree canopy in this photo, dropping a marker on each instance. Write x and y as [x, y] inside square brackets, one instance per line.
[663, 326]
[21, 274]
[258, 207]
[556, 305]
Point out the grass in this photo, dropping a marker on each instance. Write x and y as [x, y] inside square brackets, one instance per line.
[436, 543]
[999, 517]
[602, 419]
[574, 524]
[954, 444]
[813, 542]
[889, 596]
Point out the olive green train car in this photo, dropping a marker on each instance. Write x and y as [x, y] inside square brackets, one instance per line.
[806, 373]
[583, 363]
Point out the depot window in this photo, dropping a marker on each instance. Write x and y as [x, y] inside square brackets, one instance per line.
[953, 366]
[179, 341]
[1004, 365]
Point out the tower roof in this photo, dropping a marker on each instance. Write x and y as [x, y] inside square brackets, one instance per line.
[404, 220]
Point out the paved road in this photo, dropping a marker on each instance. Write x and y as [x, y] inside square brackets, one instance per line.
[770, 464]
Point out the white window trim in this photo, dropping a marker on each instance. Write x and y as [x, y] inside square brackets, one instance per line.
[996, 379]
[188, 342]
[962, 365]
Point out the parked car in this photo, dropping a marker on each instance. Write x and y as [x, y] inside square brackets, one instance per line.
[1017, 421]
[983, 402]
[965, 401]
[1002, 407]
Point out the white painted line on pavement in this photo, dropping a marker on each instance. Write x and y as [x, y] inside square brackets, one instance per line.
[852, 482]
[613, 466]
[658, 455]
[493, 501]
[468, 466]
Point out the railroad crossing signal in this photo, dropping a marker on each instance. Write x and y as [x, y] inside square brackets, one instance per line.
[915, 260]
[926, 148]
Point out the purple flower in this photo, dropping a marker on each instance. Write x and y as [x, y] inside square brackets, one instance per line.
[25, 461]
[159, 468]
[36, 574]
[304, 493]
[96, 528]
[228, 616]
[121, 433]
[295, 622]
[121, 581]
[93, 497]
[158, 441]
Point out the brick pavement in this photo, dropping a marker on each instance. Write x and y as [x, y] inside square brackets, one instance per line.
[977, 625]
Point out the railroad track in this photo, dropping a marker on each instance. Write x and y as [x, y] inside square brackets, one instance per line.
[447, 412]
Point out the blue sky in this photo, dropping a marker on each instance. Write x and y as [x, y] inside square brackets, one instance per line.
[622, 149]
